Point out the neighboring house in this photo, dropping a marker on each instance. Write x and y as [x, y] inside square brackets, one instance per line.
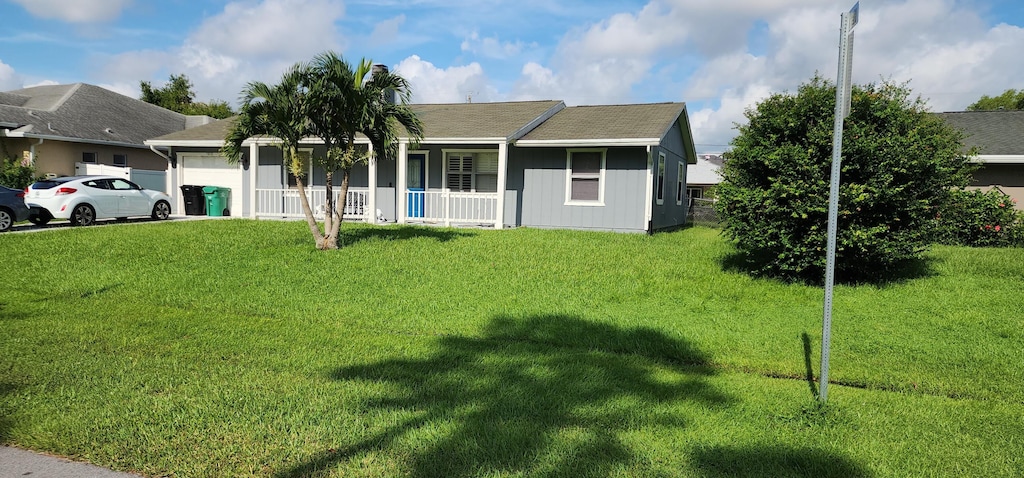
[999, 137]
[66, 130]
[515, 164]
[704, 175]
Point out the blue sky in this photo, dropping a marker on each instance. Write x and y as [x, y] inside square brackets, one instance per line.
[719, 56]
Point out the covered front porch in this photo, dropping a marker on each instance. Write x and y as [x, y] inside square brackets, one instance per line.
[441, 193]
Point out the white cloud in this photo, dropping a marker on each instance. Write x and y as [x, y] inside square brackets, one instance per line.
[386, 31]
[75, 11]
[9, 79]
[454, 84]
[275, 29]
[493, 47]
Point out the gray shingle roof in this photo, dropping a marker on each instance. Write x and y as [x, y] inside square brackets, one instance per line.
[479, 120]
[86, 112]
[609, 122]
[992, 132]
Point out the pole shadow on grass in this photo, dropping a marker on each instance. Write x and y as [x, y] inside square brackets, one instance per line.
[807, 365]
[774, 461]
[540, 396]
[5, 422]
[396, 232]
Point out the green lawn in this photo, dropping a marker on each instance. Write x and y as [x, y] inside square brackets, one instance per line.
[232, 348]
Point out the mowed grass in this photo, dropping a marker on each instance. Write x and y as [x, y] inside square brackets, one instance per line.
[232, 348]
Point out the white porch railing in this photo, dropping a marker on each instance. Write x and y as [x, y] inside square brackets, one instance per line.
[446, 206]
[286, 203]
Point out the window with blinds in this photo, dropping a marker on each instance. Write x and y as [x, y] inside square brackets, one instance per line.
[585, 177]
[474, 171]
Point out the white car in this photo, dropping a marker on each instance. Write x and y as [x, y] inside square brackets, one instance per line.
[84, 199]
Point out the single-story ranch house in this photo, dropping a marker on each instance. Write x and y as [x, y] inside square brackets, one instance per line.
[513, 164]
[999, 137]
[67, 130]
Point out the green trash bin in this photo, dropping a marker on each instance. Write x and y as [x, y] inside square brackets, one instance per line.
[218, 200]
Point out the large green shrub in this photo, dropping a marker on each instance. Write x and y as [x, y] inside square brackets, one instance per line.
[899, 165]
[14, 175]
[980, 218]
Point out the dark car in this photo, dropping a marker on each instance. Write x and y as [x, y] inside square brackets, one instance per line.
[12, 207]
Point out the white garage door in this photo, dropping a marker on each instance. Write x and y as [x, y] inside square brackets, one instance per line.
[213, 170]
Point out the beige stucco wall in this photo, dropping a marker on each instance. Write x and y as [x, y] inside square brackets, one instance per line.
[59, 157]
[1008, 177]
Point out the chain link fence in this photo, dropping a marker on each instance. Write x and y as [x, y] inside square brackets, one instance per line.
[702, 212]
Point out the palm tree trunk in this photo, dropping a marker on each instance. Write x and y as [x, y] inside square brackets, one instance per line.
[342, 199]
[314, 228]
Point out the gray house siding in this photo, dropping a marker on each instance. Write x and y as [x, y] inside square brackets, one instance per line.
[537, 182]
[669, 214]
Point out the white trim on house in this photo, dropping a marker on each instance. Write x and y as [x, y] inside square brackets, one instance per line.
[494, 141]
[584, 143]
[569, 201]
[999, 159]
[649, 190]
[499, 220]
[66, 139]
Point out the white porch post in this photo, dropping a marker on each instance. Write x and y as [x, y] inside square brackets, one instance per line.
[254, 164]
[371, 198]
[403, 165]
[499, 215]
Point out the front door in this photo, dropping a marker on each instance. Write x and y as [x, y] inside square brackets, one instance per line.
[416, 174]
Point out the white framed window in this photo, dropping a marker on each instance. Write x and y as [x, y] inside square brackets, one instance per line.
[121, 160]
[89, 157]
[661, 178]
[680, 183]
[471, 170]
[695, 193]
[585, 176]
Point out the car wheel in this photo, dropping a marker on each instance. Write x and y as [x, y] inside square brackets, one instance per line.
[83, 215]
[6, 220]
[41, 218]
[161, 210]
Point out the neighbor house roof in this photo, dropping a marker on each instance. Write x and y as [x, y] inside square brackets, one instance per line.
[84, 113]
[998, 135]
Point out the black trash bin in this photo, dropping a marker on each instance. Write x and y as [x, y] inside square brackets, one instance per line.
[195, 200]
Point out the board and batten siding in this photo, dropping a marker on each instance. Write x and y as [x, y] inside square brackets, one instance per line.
[669, 214]
[537, 189]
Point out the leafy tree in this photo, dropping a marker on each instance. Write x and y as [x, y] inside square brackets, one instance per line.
[279, 111]
[345, 102]
[1009, 100]
[177, 95]
[899, 166]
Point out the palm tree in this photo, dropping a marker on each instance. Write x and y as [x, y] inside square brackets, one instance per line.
[344, 103]
[278, 111]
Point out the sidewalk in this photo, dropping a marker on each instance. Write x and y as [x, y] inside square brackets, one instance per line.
[18, 463]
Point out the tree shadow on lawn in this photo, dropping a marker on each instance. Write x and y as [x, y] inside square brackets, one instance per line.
[541, 396]
[904, 272]
[397, 232]
[774, 461]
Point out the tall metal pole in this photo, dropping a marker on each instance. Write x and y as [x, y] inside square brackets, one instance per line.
[843, 85]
